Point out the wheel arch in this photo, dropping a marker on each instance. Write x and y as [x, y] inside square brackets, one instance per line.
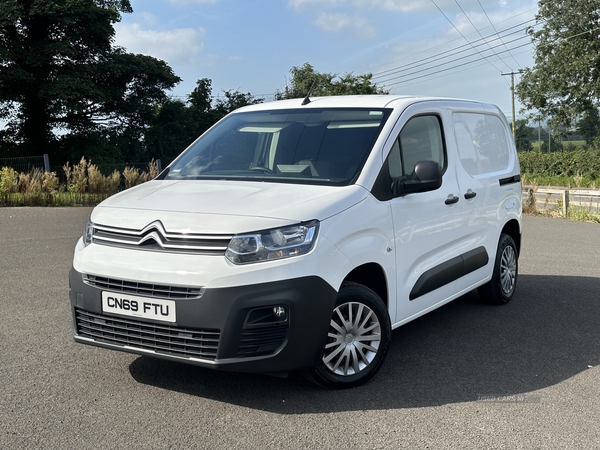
[513, 229]
[372, 276]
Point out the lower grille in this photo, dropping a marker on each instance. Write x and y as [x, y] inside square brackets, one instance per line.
[144, 289]
[262, 341]
[163, 339]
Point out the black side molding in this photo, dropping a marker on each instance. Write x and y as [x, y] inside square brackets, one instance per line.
[449, 271]
[509, 180]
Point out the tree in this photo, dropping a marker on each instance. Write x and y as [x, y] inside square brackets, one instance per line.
[61, 76]
[324, 84]
[233, 100]
[589, 125]
[565, 80]
[171, 131]
[523, 134]
[177, 124]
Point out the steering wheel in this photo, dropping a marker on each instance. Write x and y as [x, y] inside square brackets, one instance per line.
[262, 169]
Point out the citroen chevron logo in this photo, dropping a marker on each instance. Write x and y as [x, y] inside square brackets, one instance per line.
[154, 231]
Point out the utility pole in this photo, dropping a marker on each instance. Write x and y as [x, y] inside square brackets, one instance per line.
[512, 90]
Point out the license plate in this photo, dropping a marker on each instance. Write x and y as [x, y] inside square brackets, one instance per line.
[145, 308]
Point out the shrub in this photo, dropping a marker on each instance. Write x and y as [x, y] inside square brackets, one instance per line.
[582, 163]
[79, 179]
[50, 182]
[85, 185]
[152, 170]
[96, 181]
[132, 177]
[113, 182]
[9, 180]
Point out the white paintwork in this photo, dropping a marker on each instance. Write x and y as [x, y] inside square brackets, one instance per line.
[405, 236]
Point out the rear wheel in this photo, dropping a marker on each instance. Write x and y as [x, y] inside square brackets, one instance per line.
[357, 341]
[500, 289]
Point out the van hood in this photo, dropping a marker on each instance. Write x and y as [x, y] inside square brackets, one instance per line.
[224, 206]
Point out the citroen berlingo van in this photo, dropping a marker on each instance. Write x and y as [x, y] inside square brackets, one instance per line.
[296, 235]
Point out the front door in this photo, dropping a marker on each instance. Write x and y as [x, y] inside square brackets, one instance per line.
[429, 227]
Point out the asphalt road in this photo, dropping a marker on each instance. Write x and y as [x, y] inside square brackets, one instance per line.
[541, 352]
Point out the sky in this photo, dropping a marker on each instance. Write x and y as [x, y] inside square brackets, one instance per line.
[450, 48]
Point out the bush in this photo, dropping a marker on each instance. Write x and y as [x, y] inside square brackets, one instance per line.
[582, 164]
[85, 185]
[132, 177]
[9, 181]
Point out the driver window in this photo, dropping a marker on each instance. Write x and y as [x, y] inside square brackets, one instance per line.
[419, 140]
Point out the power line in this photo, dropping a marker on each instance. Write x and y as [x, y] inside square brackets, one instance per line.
[452, 51]
[480, 35]
[454, 26]
[456, 39]
[438, 64]
[496, 31]
[435, 59]
[447, 69]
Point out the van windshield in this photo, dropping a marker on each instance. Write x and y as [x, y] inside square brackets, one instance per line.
[316, 146]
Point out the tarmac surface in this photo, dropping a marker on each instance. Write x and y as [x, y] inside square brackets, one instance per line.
[466, 376]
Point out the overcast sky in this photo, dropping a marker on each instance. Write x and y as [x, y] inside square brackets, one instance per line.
[451, 48]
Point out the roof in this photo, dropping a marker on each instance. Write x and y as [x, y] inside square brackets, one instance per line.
[350, 101]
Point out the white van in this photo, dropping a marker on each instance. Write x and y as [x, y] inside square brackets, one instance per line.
[297, 234]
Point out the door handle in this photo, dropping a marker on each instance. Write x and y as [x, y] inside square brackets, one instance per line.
[470, 194]
[451, 200]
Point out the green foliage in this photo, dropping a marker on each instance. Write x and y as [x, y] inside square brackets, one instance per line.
[589, 125]
[9, 180]
[553, 146]
[86, 185]
[565, 80]
[562, 168]
[523, 134]
[61, 71]
[177, 124]
[583, 215]
[324, 84]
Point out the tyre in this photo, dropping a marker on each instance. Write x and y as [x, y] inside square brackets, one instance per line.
[357, 341]
[500, 289]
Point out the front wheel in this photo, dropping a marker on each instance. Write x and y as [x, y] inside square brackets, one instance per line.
[500, 289]
[357, 341]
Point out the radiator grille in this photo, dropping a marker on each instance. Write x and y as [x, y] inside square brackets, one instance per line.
[143, 289]
[163, 339]
[262, 341]
[156, 238]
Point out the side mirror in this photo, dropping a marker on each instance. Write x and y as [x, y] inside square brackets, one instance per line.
[426, 176]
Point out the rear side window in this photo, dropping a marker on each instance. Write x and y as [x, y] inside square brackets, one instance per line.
[482, 143]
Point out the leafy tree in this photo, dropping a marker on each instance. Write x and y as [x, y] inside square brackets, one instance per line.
[523, 134]
[233, 100]
[589, 125]
[177, 124]
[553, 146]
[171, 131]
[62, 79]
[327, 84]
[565, 80]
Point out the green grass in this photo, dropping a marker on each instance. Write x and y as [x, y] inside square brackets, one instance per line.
[56, 199]
[577, 143]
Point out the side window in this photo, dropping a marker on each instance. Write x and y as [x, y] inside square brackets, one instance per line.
[420, 140]
[482, 143]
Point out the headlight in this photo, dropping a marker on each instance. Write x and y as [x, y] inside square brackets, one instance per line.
[272, 244]
[88, 233]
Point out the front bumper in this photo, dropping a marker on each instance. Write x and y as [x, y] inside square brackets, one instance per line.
[226, 328]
